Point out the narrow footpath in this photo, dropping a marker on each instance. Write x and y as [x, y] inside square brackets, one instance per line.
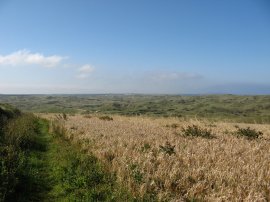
[60, 171]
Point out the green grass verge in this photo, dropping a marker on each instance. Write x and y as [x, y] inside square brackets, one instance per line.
[38, 166]
[79, 176]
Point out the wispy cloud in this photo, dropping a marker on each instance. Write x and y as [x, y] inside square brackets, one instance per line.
[171, 76]
[85, 71]
[25, 57]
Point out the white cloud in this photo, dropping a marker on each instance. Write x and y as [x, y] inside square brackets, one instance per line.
[25, 57]
[85, 71]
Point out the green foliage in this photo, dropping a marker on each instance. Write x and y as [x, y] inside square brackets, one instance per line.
[22, 132]
[167, 148]
[80, 176]
[248, 133]
[11, 161]
[196, 131]
[18, 136]
[136, 173]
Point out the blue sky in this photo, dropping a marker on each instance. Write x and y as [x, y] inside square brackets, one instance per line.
[135, 46]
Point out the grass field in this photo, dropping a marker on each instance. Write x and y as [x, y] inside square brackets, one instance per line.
[160, 157]
[103, 154]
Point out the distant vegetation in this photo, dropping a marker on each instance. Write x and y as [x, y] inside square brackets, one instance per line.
[215, 107]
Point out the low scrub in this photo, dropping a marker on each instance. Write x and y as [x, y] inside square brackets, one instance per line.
[248, 133]
[196, 131]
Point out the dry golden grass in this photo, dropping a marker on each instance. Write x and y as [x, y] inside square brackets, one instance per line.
[224, 168]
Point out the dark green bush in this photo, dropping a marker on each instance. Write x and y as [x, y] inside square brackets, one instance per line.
[248, 133]
[196, 131]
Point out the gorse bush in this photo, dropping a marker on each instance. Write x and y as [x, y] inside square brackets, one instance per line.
[196, 131]
[248, 133]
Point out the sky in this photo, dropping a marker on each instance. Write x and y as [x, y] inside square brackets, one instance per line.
[135, 46]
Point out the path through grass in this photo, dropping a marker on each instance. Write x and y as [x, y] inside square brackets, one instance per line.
[59, 171]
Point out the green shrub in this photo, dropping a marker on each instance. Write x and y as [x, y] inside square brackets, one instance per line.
[248, 133]
[196, 131]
